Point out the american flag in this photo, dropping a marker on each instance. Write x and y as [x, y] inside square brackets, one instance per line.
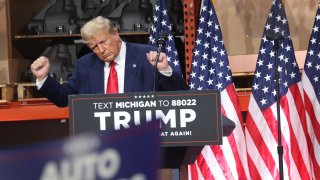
[161, 24]
[210, 70]
[261, 123]
[311, 89]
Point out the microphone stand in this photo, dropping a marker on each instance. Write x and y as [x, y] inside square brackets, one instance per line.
[280, 147]
[161, 41]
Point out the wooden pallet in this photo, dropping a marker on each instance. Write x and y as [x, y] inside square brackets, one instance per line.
[7, 92]
[27, 91]
[28, 95]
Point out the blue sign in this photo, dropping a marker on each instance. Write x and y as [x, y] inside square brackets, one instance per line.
[132, 153]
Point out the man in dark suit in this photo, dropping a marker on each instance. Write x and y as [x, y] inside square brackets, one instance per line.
[133, 64]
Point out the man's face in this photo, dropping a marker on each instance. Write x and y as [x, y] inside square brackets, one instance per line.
[106, 45]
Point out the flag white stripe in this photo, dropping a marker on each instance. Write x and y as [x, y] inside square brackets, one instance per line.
[315, 143]
[308, 89]
[285, 132]
[256, 158]
[200, 177]
[265, 132]
[299, 133]
[310, 93]
[263, 128]
[284, 123]
[294, 172]
[231, 113]
[229, 157]
[212, 162]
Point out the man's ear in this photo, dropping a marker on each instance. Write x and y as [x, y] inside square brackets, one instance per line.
[116, 36]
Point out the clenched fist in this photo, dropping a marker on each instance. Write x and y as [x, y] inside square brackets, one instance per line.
[40, 68]
[162, 62]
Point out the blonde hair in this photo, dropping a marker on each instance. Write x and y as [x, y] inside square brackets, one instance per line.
[98, 24]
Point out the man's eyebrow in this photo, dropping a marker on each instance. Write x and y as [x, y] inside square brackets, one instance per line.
[96, 45]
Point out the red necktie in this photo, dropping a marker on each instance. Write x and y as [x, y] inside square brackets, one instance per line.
[112, 86]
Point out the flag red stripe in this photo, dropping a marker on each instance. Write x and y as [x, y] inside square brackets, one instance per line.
[217, 151]
[315, 134]
[302, 116]
[295, 150]
[239, 166]
[258, 140]
[273, 126]
[192, 171]
[314, 121]
[271, 121]
[221, 159]
[234, 98]
[254, 173]
[203, 166]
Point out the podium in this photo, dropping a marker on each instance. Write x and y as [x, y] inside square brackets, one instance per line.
[189, 120]
[176, 156]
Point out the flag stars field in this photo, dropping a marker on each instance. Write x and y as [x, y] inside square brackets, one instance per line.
[161, 23]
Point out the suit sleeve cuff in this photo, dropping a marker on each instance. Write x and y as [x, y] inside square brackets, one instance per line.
[39, 84]
[168, 72]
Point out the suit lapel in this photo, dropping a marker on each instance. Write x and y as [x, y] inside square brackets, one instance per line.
[98, 75]
[130, 68]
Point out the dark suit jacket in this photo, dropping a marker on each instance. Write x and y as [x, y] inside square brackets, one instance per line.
[88, 77]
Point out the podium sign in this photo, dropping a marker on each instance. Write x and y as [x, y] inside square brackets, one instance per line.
[88, 156]
[187, 118]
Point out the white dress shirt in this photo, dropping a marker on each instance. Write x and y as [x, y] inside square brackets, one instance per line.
[120, 67]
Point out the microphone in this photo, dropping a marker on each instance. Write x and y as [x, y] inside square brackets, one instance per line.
[271, 37]
[162, 39]
[275, 38]
[161, 42]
